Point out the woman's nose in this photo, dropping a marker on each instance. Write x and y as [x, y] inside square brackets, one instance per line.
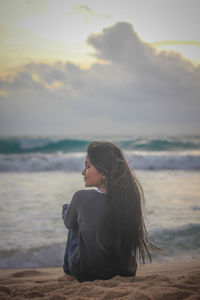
[83, 172]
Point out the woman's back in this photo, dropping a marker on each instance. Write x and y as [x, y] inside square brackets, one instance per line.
[90, 261]
[109, 228]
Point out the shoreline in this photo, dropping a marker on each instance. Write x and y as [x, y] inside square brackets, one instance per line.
[162, 280]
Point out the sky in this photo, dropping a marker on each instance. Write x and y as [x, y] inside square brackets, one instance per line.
[99, 67]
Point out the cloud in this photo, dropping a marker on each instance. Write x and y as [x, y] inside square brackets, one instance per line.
[138, 90]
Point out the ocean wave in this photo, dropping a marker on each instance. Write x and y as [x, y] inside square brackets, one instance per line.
[37, 257]
[179, 235]
[41, 145]
[177, 244]
[66, 145]
[74, 162]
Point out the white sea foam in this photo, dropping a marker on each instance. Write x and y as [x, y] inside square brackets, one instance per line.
[74, 162]
[36, 162]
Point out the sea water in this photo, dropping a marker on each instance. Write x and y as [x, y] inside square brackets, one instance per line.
[38, 175]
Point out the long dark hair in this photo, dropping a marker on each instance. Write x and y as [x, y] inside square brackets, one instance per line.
[122, 230]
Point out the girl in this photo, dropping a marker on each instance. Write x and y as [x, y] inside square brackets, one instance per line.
[106, 227]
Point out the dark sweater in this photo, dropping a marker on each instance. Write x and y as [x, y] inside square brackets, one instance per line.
[90, 261]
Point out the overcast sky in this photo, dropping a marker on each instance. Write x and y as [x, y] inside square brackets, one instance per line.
[105, 72]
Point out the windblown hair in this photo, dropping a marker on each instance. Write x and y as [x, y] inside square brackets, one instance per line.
[122, 230]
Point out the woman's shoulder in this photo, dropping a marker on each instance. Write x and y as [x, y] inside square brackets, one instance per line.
[83, 198]
[85, 193]
[88, 194]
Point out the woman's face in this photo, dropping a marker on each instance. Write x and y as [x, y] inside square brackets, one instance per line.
[92, 176]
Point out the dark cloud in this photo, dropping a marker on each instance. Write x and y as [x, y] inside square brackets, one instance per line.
[138, 89]
[47, 73]
[156, 74]
[120, 44]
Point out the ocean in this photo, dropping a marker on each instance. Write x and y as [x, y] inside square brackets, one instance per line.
[40, 174]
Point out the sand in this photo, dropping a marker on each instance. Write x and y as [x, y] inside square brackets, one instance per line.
[153, 281]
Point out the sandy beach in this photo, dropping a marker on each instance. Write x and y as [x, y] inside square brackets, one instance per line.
[175, 280]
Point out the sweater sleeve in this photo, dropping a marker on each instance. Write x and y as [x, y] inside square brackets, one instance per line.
[69, 214]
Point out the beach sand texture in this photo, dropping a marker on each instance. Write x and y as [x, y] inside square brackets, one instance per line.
[153, 281]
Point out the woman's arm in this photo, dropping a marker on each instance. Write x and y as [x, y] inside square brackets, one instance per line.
[64, 210]
[69, 214]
